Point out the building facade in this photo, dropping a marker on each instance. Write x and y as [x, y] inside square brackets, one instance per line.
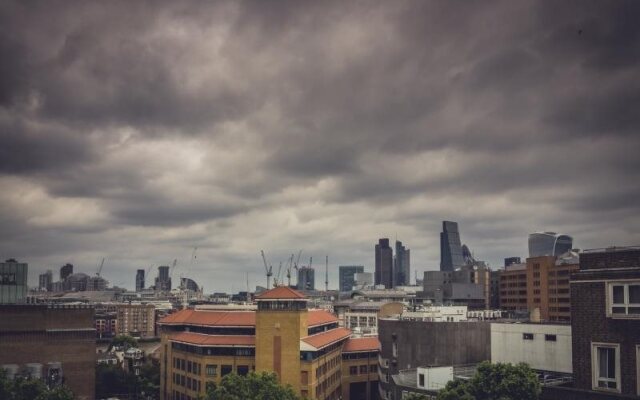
[402, 265]
[450, 247]
[605, 306]
[137, 320]
[305, 348]
[163, 281]
[384, 264]
[403, 351]
[53, 343]
[45, 280]
[306, 278]
[139, 280]
[347, 276]
[545, 347]
[549, 244]
[13, 282]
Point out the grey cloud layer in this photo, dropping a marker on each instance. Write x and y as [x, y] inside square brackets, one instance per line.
[139, 130]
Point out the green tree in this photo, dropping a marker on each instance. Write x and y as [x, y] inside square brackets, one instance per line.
[415, 396]
[261, 386]
[495, 382]
[26, 388]
[124, 341]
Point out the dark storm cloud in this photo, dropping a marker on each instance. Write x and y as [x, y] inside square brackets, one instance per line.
[152, 127]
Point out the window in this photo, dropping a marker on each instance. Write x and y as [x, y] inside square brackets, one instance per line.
[421, 380]
[353, 370]
[550, 338]
[226, 370]
[363, 369]
[624, 299]
[243, 370]
[212, 370]
[374, 368]
[605, 361]
[394, 349]
[527, 336]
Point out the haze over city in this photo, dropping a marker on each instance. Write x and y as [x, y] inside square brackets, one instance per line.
[137, 131]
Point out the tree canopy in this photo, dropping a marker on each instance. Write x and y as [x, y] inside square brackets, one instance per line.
[25, 388]
[123, 341]
[261, 386]
[495, 382]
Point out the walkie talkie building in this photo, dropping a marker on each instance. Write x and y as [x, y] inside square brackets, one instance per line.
[549, 244]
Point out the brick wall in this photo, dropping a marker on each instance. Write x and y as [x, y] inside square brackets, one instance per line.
[610, 259]
[589, 324]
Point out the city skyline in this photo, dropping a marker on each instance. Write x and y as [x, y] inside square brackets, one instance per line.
[136, 132]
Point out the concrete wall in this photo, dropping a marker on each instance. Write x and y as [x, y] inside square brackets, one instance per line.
[433, 343]
[508, 346]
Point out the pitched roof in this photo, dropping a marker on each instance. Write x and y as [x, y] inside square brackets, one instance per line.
[211, 318]
[320, 317]
[361, 344]
[200, 339]
[280, 292]
[324, 339]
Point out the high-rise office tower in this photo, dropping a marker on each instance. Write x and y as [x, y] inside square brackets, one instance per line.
[549, 244]
[163, 281]
[384, 264]
[13, 282]
[65, 271]
[139, 280]
[45, 280]
[450, 247]
[401, 268]
[347, 276]
[306, 278]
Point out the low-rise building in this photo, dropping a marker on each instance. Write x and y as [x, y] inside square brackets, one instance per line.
[54, 343]
[305, 348]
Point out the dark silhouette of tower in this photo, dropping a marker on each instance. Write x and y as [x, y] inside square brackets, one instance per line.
[450, 247]
[139, 280]
[384, 264]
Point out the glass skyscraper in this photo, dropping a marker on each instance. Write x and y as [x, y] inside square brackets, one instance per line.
[450, 247]
[347, 276]
[549, 244]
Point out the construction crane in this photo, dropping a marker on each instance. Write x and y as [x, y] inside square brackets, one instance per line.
[310, 261]
[173, 266]
[326, 274]
[289, 270]
[276, 280]
[100, 267]
[267, 269]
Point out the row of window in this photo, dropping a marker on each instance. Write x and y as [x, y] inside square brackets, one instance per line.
[328, 365]
[547, 337]
[187, 366]
[215, 351]
[363, 369]
[354, 356]
[187, 382]
[327, 383]
[625, 299]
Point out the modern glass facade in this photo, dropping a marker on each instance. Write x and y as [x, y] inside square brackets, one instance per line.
[347, 276]
[401, 269]
[549, 244]
[450, 247]
[384, 264]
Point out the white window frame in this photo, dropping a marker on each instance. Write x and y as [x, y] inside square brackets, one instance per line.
[595, 365]
[638, 370]
[626, 303]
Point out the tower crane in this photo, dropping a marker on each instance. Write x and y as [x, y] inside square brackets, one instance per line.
[276, 280]
[100, 267]
[268, 270]
[289, 270]
[326, 274]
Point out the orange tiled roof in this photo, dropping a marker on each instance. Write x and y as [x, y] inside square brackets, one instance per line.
[214, 340]
[280, 292]
[361, 344]
[324, 339]
[320, 317]
[211, 318]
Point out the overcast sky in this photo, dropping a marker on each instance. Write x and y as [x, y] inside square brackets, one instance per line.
[136, 131]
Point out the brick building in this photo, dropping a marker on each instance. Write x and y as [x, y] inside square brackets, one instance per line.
[305, 348]
[53, 343]
[541, 286]
[605, 302]
[137, 320]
